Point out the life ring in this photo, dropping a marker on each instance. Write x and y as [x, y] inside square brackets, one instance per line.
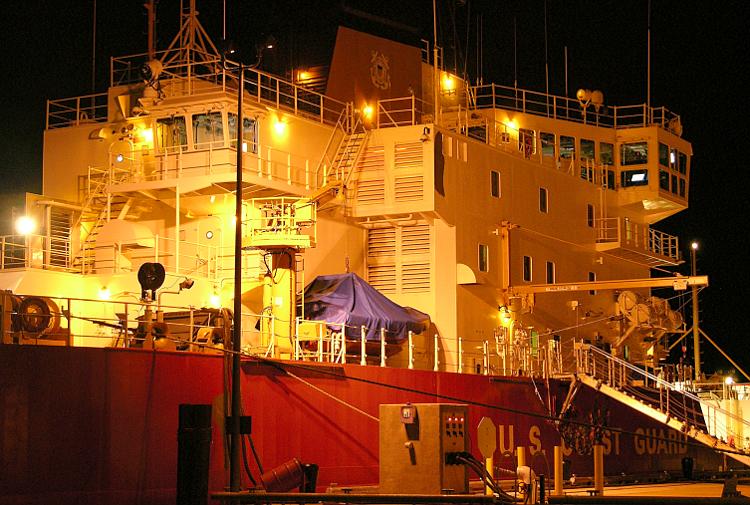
[38, 315]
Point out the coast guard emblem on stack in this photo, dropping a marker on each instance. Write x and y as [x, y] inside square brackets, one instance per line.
[380, 70]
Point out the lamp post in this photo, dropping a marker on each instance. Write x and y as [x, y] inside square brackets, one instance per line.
[236, 404]
[696, 329]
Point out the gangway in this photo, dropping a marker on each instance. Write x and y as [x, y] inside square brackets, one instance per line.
[669, 403]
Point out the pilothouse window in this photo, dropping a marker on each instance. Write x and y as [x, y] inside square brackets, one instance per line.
[171, 133]
[635, 153]
[567, 147]
[249, 133]
[208, 130]
[548, 144]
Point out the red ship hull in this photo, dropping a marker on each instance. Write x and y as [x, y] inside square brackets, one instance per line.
[100, 426]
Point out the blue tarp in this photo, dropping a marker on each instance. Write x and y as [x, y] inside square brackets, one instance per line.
[348, 299]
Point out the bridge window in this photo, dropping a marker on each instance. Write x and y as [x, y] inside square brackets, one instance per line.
[548, 144]
[663, 180]
[634, 178]
[682, 162]
[208, 130]
[664, 155]
[635, 153]
[484, 258]
[606, 153]
[567, 147]
[495, 184]
[527, 268]
[249, 133]
[527, 141]
[171, 132]
[588, 149]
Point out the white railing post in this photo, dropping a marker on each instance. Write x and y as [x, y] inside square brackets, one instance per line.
[485, 358]
[343, 344]
[320, 346]
[460, 366]
[411, 350]
[296, 338]
[382, 347]
[273, 335]
[363, 346]
[437, 355]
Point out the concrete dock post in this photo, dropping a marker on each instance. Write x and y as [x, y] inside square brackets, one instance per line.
[599, 469]
[558, 465]
[521, 455]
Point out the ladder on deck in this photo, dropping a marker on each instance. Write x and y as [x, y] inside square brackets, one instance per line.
[665, 402]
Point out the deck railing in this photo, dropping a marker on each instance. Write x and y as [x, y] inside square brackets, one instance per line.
[670, 394]
[636, 236]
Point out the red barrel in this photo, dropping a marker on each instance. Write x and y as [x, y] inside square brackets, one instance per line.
[284, 477]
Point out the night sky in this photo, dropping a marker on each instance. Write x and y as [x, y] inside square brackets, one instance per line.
[699, 68]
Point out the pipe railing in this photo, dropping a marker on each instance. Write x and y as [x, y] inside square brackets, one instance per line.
[620, 374]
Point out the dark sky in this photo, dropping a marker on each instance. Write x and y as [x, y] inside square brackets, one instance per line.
[699, 68]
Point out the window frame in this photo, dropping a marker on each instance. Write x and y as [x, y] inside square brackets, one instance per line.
[551, 273]
[495, 184]
[543, 200]
[527, 268]
[483, 257]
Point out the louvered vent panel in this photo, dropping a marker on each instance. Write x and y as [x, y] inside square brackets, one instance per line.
[372, 159]
[415, 239]
[415, 277]
[371, 192]
[381, 242]
[408, 155]
[409, 188]
[382, 277]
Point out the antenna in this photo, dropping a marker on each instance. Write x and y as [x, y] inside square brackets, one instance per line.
[546, 59]
[436, 81]
[515, 55]
[648, 65]
[93, 50]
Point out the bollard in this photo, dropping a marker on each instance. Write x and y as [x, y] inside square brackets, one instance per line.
[193, 451]
[521, 455]
[599, 469]
[558, 471]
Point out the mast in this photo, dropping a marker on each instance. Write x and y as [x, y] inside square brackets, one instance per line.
[150, 13]
[436, 77]
[648, 66]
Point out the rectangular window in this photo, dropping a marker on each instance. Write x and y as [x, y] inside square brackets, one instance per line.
[567, 147]
[548, 144]
[484, 258]
[543, 204]
[606, 153]
[663, 155]
[249, 133]
[208, 130]
[682, 187]
[550, 272]
[527, 141]
[171, 132]
[682, 162]
[663, 180]
[674, 184]
[590, 215]
[592, 278]
[527, 268]
[611, 179]
[634, 178]
[635, 153]
[588, 149]
[495, 184]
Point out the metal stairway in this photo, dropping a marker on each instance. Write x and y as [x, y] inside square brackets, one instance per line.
[656, 398]
[100, 207]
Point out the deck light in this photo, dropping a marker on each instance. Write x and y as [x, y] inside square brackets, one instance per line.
[215, 301]
[25, 225]
[368, 112]
[279, 126]
[104, 293]
[694, 246]
[449, 83]
[729, 380]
